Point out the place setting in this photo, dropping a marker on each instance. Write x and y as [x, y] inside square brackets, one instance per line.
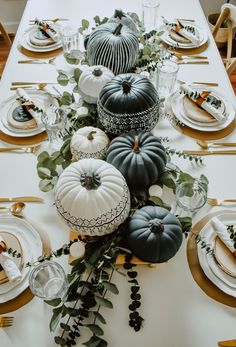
[183, 36]
[211, 256]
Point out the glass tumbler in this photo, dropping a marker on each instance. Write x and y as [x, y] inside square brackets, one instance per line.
[54, 120]
[150, 9]
[48, 281]
[69, 38]
[166, 76]
[190, 198]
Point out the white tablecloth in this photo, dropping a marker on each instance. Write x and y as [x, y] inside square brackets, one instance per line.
[176, 311]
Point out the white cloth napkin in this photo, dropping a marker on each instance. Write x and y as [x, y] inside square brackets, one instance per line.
[232, 15]
[185, 33]
[223, 234]
[36, 115]
[216, 113]
[50, 30]
[13, 273]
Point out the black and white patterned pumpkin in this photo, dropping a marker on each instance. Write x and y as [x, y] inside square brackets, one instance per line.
[89, 142]
[128, 102]
[123, 18]
[114, 46]
[92, 197]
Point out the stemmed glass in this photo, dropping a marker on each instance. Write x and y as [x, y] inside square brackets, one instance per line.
[54, 120]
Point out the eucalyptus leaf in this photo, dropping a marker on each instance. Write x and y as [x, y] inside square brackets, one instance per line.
[185, 177]
[60, 341]
[54, 302]
[62, 79]
[85, 24]
[168, 179]
[43, 172]
[77, 74]
[45, 185]
[100, 317]
[94, 341]
[95, 329]
[56, 317]
[103, 302]
[159, 202]
[43, 155]
[111, 287]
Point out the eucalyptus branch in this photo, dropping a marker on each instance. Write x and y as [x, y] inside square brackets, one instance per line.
[182, 154]
[203, 244]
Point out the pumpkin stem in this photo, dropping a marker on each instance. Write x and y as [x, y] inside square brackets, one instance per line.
[136, 147]
[119, 14]
[118, 29]
[156, 225]
[126, 85]
[90, 135]
[97, 72]
[90, 181]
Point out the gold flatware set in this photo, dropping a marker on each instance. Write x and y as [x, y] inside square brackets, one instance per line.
[205, 152]
[20, 149]
[38, 61]
[22, 199]
[6, 321]
[54, 20]
[218, 202]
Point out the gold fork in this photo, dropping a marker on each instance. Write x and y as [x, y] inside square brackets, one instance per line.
[6, 321]
[20, 149]
[39, 86]
[37, 61]
[218, 202]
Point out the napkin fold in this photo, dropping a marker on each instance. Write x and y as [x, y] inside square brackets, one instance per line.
[182, 30]
[223, 234]
[13, 273]
[202, 99]
[48, 29]
[24, 99]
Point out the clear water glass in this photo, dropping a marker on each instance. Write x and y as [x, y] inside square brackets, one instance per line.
[54, 121]
[189, 199]
[150, 9]
[166, 76]
[48, 281]
[69, 38]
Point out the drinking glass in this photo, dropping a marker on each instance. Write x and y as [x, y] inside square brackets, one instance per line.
[150, 10]
[54, 120]
[69, 38]
[166, 76]
[190, 198]
[48, 281]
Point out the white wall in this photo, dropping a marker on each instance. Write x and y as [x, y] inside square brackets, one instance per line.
[11, 12]
[213, 6]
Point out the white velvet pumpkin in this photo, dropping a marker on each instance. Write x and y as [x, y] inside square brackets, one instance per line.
[89, 142]
[92, 197]
[92, 80]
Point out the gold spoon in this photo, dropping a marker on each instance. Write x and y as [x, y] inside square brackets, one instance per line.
[206, 145]
[15, 209]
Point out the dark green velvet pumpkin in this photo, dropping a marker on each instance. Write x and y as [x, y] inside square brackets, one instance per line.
[128, 102]
[114, 46]
[140, 157]
[154, 234]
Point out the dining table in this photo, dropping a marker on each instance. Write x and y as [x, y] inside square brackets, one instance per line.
[176, 311]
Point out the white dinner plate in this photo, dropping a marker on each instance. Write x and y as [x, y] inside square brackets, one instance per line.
[25, 43]
[177, 105]
[32, 249]
[202, 33]
[44, 98]
[208, 264]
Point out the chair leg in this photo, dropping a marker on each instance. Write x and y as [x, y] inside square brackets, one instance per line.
[231, 66]
[5, 35]
[229, 43]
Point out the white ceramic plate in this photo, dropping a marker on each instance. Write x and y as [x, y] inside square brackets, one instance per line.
[44, 98]
[25, 43]
[32, 249]
[177, 106]
[215, 274]
[203, 37]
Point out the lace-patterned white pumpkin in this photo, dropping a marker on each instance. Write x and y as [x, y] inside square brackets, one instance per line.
[89, 142]
[92, 197]
[91, 82]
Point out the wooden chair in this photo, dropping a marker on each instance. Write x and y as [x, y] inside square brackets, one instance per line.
[230, 63]
[7, 41]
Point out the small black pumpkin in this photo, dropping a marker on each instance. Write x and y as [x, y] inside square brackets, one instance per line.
[154, 234]
[140, 157]
[114, 46]
[128, 102]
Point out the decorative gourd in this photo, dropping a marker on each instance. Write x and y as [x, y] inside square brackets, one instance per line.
[114, 46]
[92, 197]
[89, 142]
[128, 102]
[91, 82]
[140, 157]
[123, 18]
[154, 234]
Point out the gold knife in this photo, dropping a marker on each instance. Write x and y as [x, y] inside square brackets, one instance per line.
[210, 152]
[227, 343]
[193, 62]
[22, 198]
[29, 83]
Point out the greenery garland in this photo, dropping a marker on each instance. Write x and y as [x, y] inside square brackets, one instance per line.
[90, 279]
